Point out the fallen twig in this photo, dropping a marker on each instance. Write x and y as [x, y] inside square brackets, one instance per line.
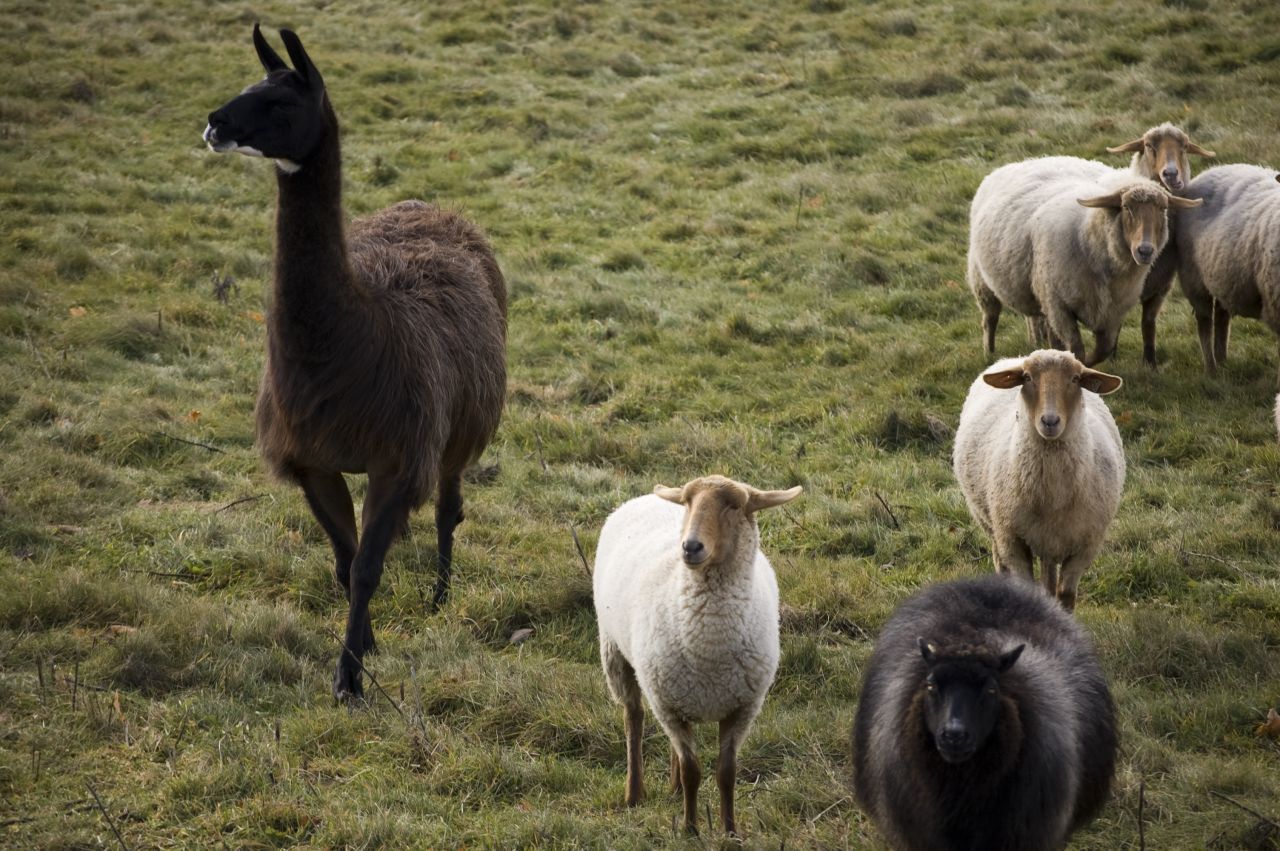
[585, 566]
[110, 820]
[190, 442]
[892, 516]
[233, 503]
[1248, 810]
[369, 673]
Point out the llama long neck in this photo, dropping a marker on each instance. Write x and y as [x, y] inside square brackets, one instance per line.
[314, 288]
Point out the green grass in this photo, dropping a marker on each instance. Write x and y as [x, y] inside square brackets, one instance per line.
[734, 236]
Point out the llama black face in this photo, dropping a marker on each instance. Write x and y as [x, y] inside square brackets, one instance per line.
[281, 117]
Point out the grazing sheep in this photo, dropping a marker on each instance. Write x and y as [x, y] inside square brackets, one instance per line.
[688, 616]
[1161, 154]
[1229, 253]
[1032, 247]
[386, 352]
[984, 722]
[1041, 469]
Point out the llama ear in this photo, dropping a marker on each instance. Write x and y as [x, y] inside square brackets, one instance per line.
[270, 60]
[1007, 659]
[301, 61]
[927, 650]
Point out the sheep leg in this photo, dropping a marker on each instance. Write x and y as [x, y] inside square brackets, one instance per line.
[991, 308]
[330, 502]
[682, 741]
[675, 770]
[634, 724]
[448, 516]
[1203, 309]
[1049, 576]
[1072, 569]
[1154, 290]
[727, 769]
[1104, 345]
[1065, 329]
[1221, 332]
[386, 511]
[625, 688]
[1013, 556]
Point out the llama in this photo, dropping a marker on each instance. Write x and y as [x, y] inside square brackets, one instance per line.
[386, 347]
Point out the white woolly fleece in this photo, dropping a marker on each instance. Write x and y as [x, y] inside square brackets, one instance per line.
[703, 640]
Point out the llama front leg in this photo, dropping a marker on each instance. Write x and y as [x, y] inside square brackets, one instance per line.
[448, 516]
[330, 502]
[385, 513]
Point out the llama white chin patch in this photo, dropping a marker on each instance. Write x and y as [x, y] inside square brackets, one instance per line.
[288, 166]
[227, 147]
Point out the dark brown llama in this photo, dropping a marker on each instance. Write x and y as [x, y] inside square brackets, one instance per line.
[386, 350]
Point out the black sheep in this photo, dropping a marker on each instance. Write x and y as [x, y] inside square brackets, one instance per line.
[985, 722]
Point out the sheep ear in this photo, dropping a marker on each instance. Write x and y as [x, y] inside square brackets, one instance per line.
[1007, 659]
[301, 61]
[760, 500]
[1115, 200]
[1177, 203]
[1100, 382]
[675, 495]
[1006, 379]
[1128, 147]
[1193, 148]
[927, 650]
[270, 60]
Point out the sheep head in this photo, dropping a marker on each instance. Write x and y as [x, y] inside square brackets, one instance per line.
[717, 512]
[962, 696]
[1051, 383]
[1161, 154]
[283, 116]
[1142, 210]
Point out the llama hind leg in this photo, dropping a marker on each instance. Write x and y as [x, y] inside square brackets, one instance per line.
[448, 516]
[330, 502]
[386, 511]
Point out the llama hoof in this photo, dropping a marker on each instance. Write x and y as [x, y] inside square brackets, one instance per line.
[347, 685]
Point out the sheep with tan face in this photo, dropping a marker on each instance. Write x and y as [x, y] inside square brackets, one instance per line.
[1064, 242]
[687, 606]
[1041, 465]
[1161, 154]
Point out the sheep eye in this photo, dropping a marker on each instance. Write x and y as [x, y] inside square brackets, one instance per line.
[1026, 378]
[1075, 379]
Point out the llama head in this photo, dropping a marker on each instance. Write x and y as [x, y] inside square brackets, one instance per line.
[962, 696]
[283, 116]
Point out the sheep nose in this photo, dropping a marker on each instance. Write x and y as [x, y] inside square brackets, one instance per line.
[1145, 251]
[1170, 176]
[693, 549]
[1050, 421]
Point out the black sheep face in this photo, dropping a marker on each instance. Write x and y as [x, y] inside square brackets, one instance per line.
[281, 117]
[962, 699]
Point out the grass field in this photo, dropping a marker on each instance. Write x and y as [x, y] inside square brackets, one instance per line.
[734, 236]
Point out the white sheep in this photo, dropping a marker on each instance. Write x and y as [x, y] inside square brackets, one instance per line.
[687, 606]
[1041, 469]
[1229, 253]
[1161, 154]
[1033, 248]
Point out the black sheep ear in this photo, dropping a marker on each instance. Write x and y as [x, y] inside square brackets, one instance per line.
[927, 650]
[270, 60]
[1007, 659]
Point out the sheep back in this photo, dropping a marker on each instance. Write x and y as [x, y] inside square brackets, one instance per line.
[1046, 768]
[1229, 248]
[701, 647]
